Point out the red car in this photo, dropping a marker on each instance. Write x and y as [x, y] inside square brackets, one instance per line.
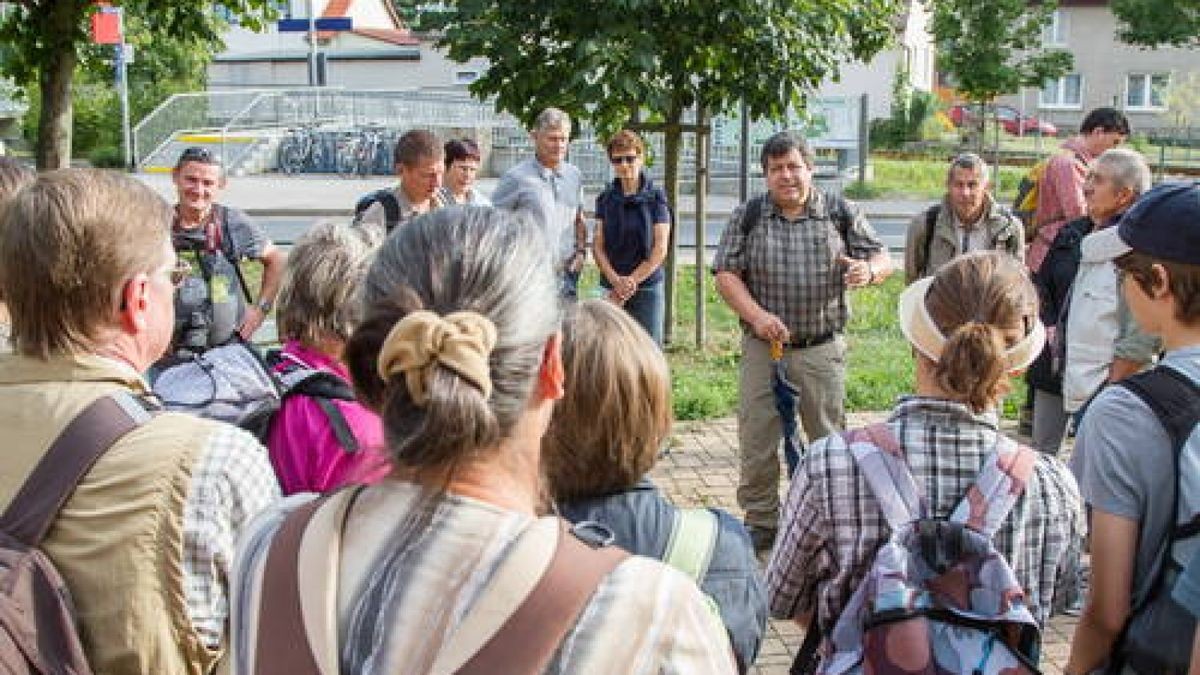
[1010, 118]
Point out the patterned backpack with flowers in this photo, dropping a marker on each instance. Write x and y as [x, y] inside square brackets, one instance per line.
[938, 598]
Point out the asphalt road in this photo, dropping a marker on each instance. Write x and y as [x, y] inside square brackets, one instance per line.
[286, 229]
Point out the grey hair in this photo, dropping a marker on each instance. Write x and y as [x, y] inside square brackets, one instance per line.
[971, 161]
[1129, 168]
[319, 296]
[459, 258]
[552, 118]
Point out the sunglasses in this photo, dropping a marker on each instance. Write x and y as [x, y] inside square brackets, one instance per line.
[623, 159]
[196, 154]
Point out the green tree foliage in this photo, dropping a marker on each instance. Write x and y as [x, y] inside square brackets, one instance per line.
[606, 61]
[994, 47]
[43, 43]
[1151, 23]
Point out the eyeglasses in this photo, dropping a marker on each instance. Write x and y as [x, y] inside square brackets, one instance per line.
[623, 159]
[180, 272]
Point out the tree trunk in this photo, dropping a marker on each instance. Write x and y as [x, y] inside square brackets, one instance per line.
[54, 80]
[671, 140]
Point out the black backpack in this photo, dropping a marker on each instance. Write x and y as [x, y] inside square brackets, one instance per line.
[322, 386]
[391, 206]
[1144, 643]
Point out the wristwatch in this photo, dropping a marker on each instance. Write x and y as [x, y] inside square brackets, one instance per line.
[265, 306]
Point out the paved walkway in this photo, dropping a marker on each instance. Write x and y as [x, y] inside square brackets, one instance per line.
[701, 469]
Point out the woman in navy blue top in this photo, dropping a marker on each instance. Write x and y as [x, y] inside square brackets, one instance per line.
[633, 223]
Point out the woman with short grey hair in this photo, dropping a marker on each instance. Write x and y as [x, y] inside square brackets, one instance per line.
[459, 351]
[1093, 338]
[322, 438]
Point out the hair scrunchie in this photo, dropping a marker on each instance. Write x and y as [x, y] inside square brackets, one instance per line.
[461, 341]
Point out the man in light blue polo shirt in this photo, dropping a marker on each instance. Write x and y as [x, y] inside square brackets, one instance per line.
[549, 189]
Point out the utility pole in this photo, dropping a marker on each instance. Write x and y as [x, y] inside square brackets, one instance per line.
[312, 45]
[123, 54]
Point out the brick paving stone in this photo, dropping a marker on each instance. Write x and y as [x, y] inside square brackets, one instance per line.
[700, 469]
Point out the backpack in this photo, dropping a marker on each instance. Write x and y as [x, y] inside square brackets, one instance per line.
[938, 597]
[225, 383]
[1145, 643]
[323, 387]
[1024, 205]
[38, 628]
[387, 198]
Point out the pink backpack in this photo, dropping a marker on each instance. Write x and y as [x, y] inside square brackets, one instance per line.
[938, 598]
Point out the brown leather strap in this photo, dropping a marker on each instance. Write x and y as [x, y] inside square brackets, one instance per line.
[527, 641]
[32, 512]
[282, 645]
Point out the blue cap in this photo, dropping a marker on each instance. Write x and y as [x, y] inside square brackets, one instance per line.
[1163, 223]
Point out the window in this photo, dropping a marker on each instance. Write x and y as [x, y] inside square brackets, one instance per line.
[1147, 91]
[465, 76]
[1055, 31]
[1065, 92]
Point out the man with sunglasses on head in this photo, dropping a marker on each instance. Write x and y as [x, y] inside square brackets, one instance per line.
[549, 189]
[214, 303]
[152, 503]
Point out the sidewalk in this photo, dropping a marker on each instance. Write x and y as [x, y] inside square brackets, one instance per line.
[700, 469]
[309, 195]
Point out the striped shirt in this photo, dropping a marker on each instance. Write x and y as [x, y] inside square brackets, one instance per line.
[791, 267]
[414, 563]
[832, 524]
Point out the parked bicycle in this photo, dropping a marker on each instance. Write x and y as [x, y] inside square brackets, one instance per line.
[303, 148]
[357, 154]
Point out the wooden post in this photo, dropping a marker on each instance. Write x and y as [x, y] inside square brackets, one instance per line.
[702, 141]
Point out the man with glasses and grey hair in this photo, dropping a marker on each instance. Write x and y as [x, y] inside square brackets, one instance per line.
[215, 303]
[550, 190]
[967, 219]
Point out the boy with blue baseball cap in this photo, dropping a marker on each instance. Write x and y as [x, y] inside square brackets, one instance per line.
[1138, 451]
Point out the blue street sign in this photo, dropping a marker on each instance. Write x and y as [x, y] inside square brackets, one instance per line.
[339, 23]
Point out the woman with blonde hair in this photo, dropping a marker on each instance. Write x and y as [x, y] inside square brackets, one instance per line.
[459, 352]
[605, 437]
[321, 438]
[972, 325]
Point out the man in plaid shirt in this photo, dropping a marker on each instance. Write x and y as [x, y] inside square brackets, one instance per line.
[786, 275]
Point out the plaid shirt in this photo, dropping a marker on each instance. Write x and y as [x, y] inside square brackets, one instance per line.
[231, 483]
[790, 266]
[832, 524]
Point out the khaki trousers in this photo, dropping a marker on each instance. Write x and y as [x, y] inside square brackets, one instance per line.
[820, 374]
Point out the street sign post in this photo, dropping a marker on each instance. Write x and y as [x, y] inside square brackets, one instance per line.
[311, 25]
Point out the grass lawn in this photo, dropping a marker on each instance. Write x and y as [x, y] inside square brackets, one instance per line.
[922, 179]
[705, 379]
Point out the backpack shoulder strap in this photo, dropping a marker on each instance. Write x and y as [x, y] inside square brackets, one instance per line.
[289, 638]
[880, 457]
[527, 640]
[693, 538]
[1173, 398]
[391, 208]
[752, 214]
[101, 424]
[931, 217]
[225, 245]
[323, 388]
[996, 489]
[839, 210]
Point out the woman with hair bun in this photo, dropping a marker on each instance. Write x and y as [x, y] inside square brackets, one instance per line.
[973, 326]
[459, 352]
